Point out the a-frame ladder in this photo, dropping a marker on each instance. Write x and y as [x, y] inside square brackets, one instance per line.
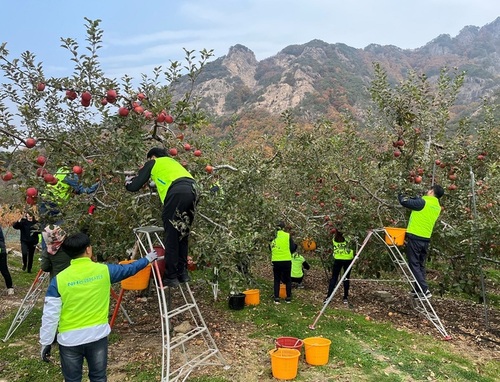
[420, 303]
[29, 301]
[192, 347]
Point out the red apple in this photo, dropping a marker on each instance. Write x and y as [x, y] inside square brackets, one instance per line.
[111, 95]
[180, 137]
[141, 96]
[41, 171]
[86, 97]
[169, 118]
[77, 170]
[31, 191]
[420, 171]
[418, 179]
[452, 187]
[148, 114]
[161, 117]
[452, 176]
[104, 102]
[197, 153]
[209, 169]
[400, 143]
[30, 200]
[397, 153]
[54, 181]
[480, 157]
[123, 111]
[438, 162]
[139, 109]
[71, 95]
[41, 160]
[48, 178]
[40, 87]
[173, 151]
[187, 146]
[30, 143]
[7, 176]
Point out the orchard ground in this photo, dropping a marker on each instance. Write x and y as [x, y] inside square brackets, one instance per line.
[246, 352]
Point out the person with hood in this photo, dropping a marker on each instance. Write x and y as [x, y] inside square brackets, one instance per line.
[299, 263]
[425, 211]
[54, 258]
[29, 239]
[177, 191]
[282, 247]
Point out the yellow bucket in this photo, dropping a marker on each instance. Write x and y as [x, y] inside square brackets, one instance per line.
[252, 297]
[317, 350]
[284, 363]
[282, 290]
[395, 236]
[139, 281]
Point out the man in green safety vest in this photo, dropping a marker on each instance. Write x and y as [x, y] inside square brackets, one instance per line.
[425, 211]
[282, 248]
[58, 193]
[177, 191]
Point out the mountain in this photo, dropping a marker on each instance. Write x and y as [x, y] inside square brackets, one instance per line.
[318, 78]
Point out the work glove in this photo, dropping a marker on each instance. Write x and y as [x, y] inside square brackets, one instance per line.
[45, 353]
[152, 256]
[91, 209]
[128, 179]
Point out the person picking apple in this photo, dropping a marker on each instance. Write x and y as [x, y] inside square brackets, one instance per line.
[425, 211]
[177, 191]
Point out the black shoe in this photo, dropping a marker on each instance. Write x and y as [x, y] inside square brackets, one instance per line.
[24, 267]
[168, 282]
[288, 300]
[184, 277]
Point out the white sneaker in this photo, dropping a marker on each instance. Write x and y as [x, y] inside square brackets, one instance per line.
[10, 291]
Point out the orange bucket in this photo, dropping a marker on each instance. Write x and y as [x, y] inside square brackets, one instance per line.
[284, 363]
[252, 297]
[317, 350]
[139, 281]
[282, 290]
[395, 236]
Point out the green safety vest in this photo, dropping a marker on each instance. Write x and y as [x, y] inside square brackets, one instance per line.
[84, 288]
[165, 171]
[341, 252]
[422, 222]
[60, 190]
[280, 247]
[297, 261]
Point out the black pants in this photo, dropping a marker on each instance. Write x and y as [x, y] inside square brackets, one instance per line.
[4, 269]
[178, 216]
[281, 273]
[416, 253]
[28, 252]
[338, 265]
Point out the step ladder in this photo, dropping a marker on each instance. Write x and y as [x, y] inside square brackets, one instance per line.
[420, 303]
[29, 301]
[193, 347]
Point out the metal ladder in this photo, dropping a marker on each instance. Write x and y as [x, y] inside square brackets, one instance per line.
[420, 303]
[28, 302]
[185, 350]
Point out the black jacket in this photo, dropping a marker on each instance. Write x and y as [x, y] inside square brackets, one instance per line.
[28, 233]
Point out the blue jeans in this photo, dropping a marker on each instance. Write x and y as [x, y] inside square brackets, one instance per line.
[96, 354]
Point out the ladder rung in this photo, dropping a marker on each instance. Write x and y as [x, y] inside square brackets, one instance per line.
[193, 363]
[180, 309]
[176, 341]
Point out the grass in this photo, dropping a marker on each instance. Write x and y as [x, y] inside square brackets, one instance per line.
[361, 350]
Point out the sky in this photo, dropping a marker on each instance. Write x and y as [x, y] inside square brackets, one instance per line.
[141, 35]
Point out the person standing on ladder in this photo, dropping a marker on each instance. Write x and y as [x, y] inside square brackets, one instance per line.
[425, 211]
[177, 191]
[342, 259]
[282, 248]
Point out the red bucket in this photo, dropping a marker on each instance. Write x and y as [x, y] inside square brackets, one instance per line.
[289, 343]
